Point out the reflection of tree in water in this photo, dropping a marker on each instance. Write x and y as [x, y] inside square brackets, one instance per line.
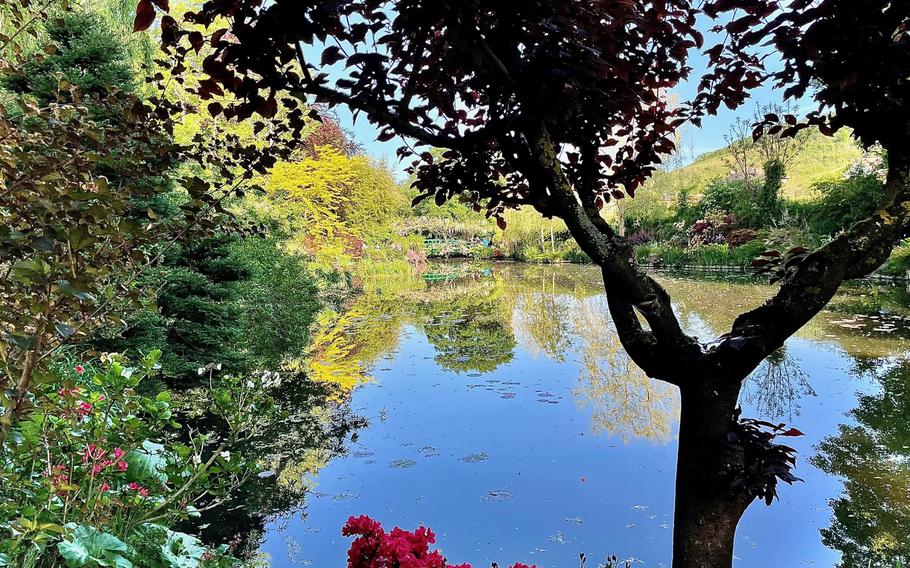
[776, 386]
[467, 328]
[346, 344]
[312, 431]
[871, 520]
[625, 402]
[544, 318]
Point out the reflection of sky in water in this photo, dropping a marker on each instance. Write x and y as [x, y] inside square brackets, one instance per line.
[506, 467]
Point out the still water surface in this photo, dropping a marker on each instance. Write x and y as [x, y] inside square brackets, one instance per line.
[503, 413]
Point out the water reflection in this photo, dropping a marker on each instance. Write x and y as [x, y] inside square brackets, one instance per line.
[776, 387]
[466, 325]
[871, 520]
[625, 402]
[479, 361]
[313, 430]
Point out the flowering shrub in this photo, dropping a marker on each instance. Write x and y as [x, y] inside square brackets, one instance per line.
[374, 548]
[713, 229]
[641, 237]
[96, 472]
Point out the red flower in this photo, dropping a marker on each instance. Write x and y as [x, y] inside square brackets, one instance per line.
[374, 548]
[143, 491]
[79, 369]
[84, 408]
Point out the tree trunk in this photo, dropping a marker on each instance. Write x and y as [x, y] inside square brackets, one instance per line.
[707, 511]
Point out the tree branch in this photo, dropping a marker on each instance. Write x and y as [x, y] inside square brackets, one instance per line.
[855, 253]
[665, 351]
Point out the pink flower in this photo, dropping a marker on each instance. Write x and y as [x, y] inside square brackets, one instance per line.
[143, 491]
[84, 408]
[105, 487]
[69, 392]
[79, 369]
[122, 465]
[134, 486]
[118, 453]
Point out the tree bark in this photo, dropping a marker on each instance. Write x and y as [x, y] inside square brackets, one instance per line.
[707, 511]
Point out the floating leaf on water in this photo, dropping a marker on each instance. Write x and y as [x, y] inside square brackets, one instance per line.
[559, 537]
[474, 458]
[403, 464]
[428, 451]
[497, 495]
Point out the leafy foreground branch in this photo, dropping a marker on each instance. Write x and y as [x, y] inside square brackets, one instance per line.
[97, 473]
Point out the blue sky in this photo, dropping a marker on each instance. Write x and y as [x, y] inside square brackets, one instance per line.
[696, 141]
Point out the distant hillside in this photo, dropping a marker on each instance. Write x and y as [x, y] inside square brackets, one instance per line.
[824, 158]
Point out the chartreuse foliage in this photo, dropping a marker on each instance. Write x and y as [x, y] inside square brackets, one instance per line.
[329, 205]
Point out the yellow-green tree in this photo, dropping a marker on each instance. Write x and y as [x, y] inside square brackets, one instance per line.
[330, 205]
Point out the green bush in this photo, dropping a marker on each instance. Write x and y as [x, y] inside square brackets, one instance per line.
[278, 302]
[843, 203]
[97, 474]
[197, 319]
[644, 252]
[710, 255]
[745, 254]
[672, 255]
[899, 262]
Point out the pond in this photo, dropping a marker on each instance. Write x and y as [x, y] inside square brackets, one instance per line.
[502, 412]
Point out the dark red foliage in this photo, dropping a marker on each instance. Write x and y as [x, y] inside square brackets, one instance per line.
[477, 76]
[329, 133]
[485, 78]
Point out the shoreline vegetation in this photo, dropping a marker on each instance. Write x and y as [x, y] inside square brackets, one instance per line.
[169, 277]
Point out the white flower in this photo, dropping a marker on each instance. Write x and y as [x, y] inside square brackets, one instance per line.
[226, 455]
[218, 367]
[200, 370]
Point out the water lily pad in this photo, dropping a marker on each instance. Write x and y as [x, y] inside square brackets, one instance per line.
[497, 495]
[474, 458]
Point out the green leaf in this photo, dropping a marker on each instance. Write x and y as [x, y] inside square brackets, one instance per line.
[67, 289]
[64, 330]
[89, 547]
[24, 342]
[181, 550]
[146, 463]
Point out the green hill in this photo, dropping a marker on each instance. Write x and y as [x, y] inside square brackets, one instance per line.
[823, 158]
